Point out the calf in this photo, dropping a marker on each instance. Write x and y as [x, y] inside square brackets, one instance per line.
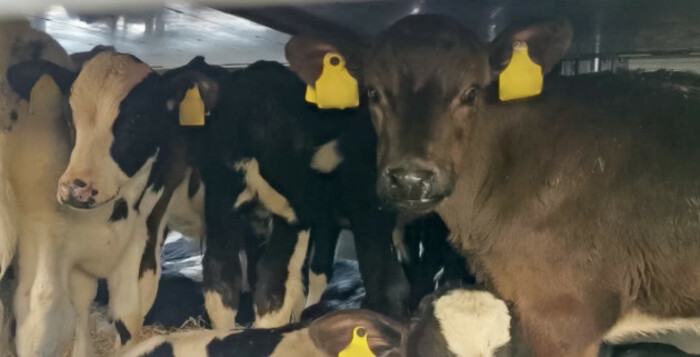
[278, 175]
[459, 323]
[18, 42]
[117, 161]
[580, 204]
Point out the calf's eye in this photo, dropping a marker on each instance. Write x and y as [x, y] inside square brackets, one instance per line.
[468, 97]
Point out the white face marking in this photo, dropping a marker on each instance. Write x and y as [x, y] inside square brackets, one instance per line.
[95, 99]
[327, 157]
[474, 323]
[222, 317]
[639, 327]
[294, 298]
[257, 186]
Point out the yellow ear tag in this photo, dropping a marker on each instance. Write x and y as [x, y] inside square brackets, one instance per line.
[335, 88]
[358, 347]
[192, 108]
[522, 78]
[310, 94]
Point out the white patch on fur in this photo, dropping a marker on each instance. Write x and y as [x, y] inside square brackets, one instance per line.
[185, 344]
[474, 323]
[269, 197]
[327, 157]
[639, 327]
[245, 196]
[294, 299]
[221, 316]
[296, 343]
[317, 285]
[185, 214]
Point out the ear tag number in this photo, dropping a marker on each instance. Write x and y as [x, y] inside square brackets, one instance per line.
[522, 78]
[335, 88]
[192, 108]
[358, 346]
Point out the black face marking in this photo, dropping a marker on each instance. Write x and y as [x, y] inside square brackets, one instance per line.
[141, 125]
[124, 334]
[121, 210]
[163, 350]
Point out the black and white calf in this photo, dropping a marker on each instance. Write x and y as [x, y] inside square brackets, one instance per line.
[116, 162]
[264, 149]
[456, 323]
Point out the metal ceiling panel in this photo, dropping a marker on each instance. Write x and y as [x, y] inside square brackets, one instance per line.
[169, 36]
[602, 27]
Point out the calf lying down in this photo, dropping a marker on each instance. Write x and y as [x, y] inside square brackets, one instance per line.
[438, 330]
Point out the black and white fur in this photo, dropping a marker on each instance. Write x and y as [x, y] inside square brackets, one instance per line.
[456, 323]
[111, 161]
[264, 147]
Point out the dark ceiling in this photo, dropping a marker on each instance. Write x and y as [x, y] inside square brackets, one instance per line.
[602, 28]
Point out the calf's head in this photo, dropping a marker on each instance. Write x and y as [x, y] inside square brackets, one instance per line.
[428, 80]
[118, 115]
[455, 323]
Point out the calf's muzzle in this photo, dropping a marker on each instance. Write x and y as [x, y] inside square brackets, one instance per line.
[413, 185]
[77, 193]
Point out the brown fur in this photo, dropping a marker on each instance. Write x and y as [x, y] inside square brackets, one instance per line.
[580, 206]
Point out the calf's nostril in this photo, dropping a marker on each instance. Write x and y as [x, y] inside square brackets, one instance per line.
[94, 192]
[79, 183]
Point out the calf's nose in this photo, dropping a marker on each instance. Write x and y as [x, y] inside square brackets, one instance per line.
[409, 183]
[77, 193]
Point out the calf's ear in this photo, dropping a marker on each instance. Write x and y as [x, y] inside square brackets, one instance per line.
[333, 333]
[197, 72]
[305, 55]
[23, 76]
[547, 42]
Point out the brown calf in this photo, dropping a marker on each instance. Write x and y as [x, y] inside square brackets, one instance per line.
[581, 205]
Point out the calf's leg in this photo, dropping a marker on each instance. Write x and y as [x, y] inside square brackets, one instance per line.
[125, 297]
[46, 320]
[324, 238]
[221, 286]
[387, 289]
[83, 289]
[279, 291]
